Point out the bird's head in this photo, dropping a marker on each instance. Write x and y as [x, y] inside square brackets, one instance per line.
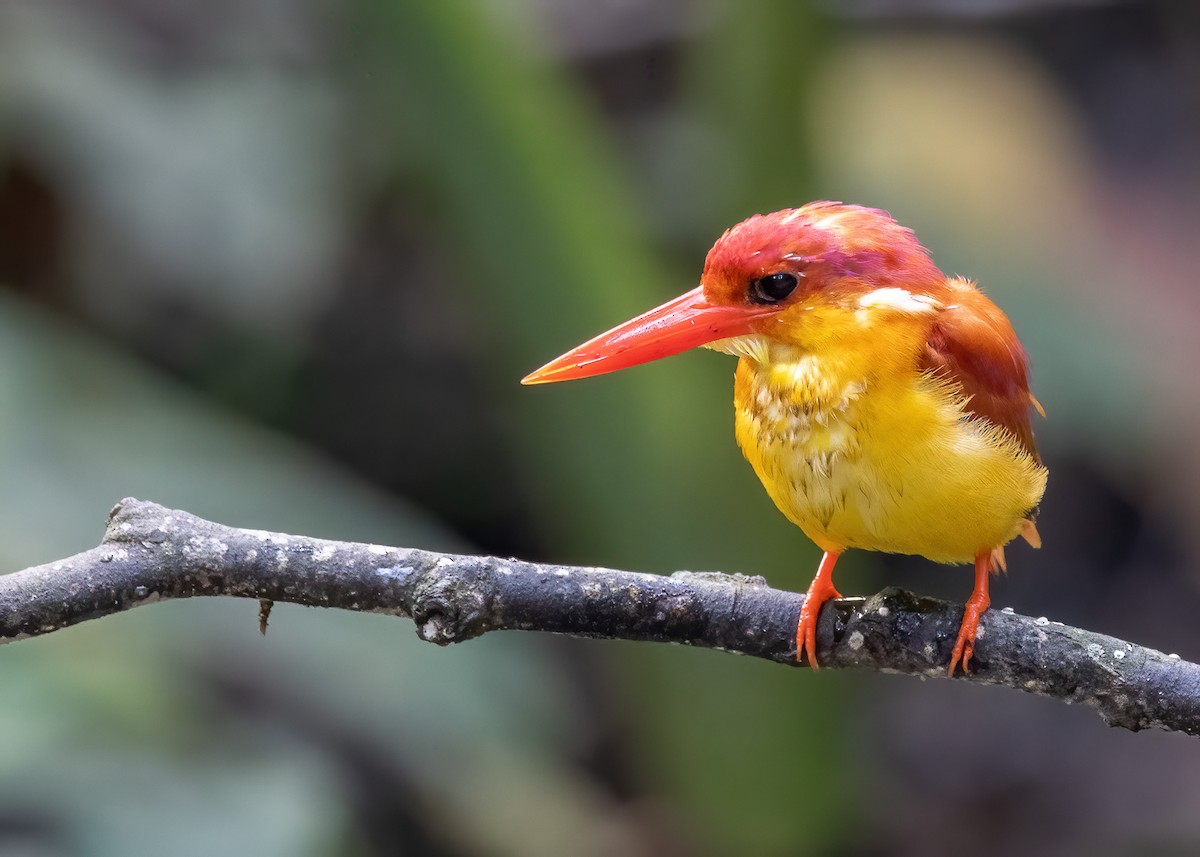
[782, 277]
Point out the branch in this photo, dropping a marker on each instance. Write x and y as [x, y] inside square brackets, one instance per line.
[151, 553]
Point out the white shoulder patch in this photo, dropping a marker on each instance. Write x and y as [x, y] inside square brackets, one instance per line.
[897, 298]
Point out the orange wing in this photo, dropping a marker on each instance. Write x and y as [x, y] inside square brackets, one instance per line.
[973, 343]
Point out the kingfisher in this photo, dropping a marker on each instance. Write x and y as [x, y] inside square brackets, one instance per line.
[883, 405]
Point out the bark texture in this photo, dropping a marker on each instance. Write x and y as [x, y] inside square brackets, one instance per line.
[151, 553]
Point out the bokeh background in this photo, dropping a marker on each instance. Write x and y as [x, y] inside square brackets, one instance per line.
[282, 262]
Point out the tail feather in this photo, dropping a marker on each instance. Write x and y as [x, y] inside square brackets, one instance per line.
[1029, 532]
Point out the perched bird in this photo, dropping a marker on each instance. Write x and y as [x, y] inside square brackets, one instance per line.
[884, 405]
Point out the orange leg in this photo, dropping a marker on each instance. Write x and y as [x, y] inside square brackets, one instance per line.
[819, 591]
[979, 601]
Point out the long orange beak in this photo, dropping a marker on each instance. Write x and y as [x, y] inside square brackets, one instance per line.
[686, 322]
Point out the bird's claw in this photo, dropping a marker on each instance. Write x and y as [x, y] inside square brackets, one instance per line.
[819, 591]
[964, 646]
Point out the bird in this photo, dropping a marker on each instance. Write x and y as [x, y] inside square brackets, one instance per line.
[884, 405]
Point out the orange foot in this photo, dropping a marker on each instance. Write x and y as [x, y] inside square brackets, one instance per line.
[979, 602]
[819, 591]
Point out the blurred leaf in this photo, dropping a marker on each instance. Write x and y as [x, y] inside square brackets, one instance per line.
[753, 81]
[123, 701]
[640, 469]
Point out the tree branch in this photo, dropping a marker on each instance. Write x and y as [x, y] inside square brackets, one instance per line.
[151, 553]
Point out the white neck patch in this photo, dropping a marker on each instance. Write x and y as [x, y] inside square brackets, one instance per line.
[898, 299]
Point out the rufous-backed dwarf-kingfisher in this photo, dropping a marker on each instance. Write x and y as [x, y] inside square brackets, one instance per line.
[884, 405]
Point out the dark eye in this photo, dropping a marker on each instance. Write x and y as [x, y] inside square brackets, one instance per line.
[773, 288]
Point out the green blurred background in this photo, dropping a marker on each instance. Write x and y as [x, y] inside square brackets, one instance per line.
[282, 262]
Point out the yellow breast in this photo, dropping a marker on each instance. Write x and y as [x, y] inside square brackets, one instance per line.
[867, 453]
